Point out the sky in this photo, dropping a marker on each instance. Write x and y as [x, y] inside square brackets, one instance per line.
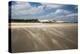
[43, 11]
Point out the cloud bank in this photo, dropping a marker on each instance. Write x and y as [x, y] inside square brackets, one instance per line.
[32, 10]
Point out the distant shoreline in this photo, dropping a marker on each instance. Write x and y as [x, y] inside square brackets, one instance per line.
[43, 22]
[38, 21]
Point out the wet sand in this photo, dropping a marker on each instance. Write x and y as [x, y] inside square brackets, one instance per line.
[26, 37]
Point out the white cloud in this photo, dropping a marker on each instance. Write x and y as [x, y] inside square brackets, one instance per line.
[62, 11]
[20, 8]
[72, 17]
[21, 5]
[23, 10]
[73, 14]
[59, 13]
[67, 16]
[52, 5]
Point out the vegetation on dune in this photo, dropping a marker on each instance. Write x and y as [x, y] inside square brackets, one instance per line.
[23, 20]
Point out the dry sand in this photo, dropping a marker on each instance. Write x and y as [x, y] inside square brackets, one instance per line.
[27, 37]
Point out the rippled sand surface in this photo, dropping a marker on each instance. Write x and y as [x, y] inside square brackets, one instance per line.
[26, 37]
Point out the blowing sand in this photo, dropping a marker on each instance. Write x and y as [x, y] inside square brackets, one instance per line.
[27, 37]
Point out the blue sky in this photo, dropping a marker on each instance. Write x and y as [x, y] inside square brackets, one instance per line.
[50, 11]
